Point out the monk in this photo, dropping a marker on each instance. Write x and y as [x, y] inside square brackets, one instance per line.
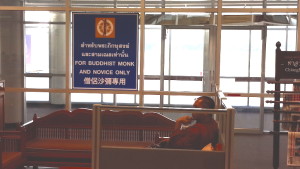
[200, 134]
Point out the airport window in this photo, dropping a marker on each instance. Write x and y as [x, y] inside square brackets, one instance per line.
[186, 47]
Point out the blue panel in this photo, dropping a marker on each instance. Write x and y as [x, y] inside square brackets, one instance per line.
[105, 51]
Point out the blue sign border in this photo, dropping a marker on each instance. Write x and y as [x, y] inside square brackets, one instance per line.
[105, 60]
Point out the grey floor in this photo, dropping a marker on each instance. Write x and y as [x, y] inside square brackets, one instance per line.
[252, 151]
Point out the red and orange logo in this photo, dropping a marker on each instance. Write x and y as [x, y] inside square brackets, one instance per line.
[105, 27]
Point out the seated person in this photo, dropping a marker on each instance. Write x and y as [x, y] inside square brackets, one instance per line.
[205, 131]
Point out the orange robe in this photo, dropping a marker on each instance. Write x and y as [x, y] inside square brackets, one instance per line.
[196, 136]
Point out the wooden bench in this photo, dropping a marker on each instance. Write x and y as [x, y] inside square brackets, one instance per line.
[64, 138]
[116, 157]
[10, 148]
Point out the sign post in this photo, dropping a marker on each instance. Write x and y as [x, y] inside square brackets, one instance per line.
[287, 67]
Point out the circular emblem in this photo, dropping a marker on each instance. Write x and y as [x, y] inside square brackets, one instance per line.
[105, 27]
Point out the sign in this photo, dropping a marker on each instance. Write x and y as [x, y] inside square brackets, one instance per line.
[105, 51]
[287, 65]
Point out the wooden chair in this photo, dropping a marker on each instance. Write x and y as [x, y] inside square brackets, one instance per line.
[10, 146]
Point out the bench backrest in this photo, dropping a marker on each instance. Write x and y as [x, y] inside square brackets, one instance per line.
[10, 141]
[116, 126]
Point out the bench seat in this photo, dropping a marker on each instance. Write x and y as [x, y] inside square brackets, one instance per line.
[64, 138]
[58, 144]
[11, 159]
[78, 145]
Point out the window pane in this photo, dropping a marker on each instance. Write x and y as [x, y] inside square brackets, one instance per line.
[127, 99]
[241, 61]
[36, 96]
[39, 3]
[259, 4]
[186, 55]
[230, 85]
[44, 42]
[108, 98]
[37, 48]
[235, 55]
[152, 50]
[181, 4]
[184, 59]
[255, 87]
[281, 4]
[86, 98]
[255, 53]
[153, 85]
[37, 83]
[152, 100]
[183, 100]
[45, 16]
[242, 4]
[106, 3]
[278, 34]
[192, 86]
